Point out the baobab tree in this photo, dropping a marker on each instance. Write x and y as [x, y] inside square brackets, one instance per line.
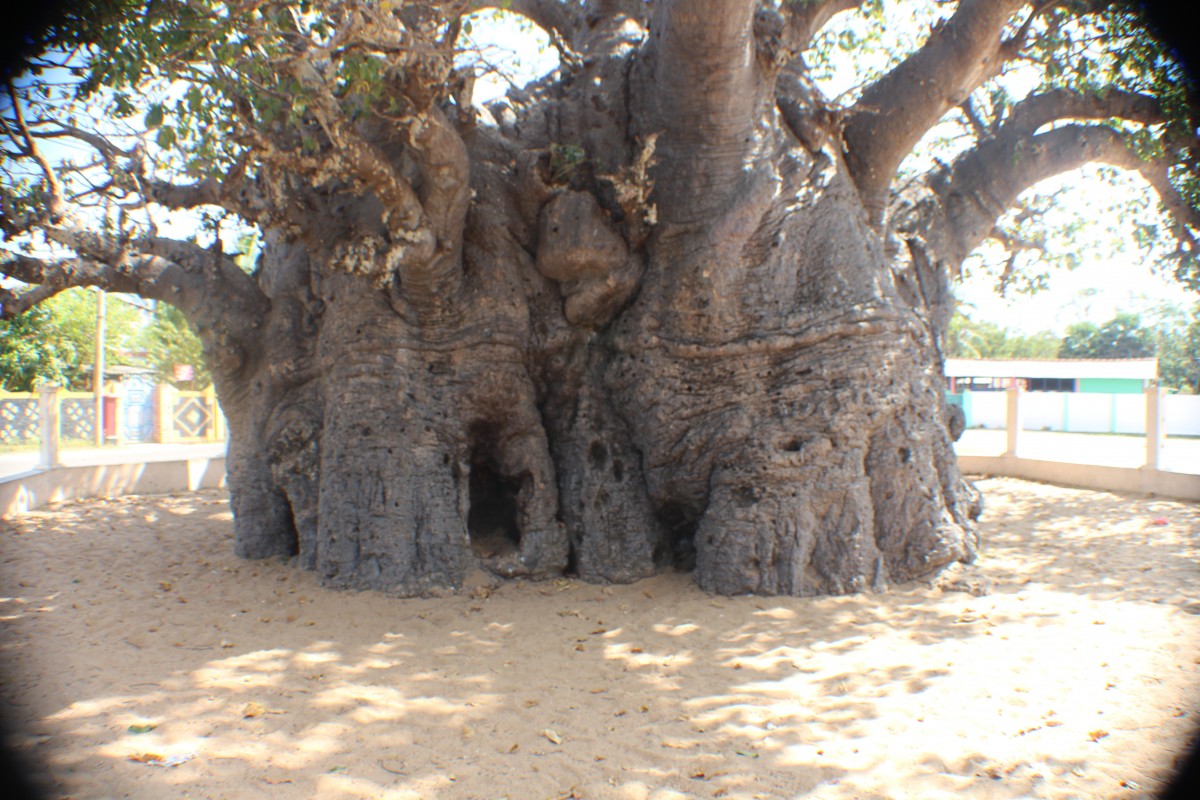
[668, 304]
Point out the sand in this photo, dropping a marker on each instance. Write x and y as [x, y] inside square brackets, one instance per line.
[143, 660]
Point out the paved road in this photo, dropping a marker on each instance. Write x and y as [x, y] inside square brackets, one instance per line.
[1179, 454]
[26, 460]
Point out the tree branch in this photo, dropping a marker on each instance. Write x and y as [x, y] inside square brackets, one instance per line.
[983, 184]
[216, 296]
[57, 204]
[894, 113]
[805, 20]
[552, 16]
[707, 93]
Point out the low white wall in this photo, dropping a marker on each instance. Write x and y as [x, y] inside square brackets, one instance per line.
[32, 490]
[987, 409]
[1089, 476]
[1080, 412]
[1183, 414]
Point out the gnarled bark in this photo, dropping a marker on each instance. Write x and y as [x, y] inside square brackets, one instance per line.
[646, 313]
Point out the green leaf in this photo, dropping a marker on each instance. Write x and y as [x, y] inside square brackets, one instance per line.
[166, 136]
[145, 728]
[154, 117]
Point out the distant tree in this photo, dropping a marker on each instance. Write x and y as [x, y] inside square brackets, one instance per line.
[171, 342]
[1121, 337]
[970, 339]
[1177, 345]
[26, 358]
[56, 341]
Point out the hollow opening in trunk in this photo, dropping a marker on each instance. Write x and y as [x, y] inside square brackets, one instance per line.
[492, 520]
[678, 548]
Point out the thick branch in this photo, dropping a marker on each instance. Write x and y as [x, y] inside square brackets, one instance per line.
[445, 195]
[234, 193]
[707, 92]
[552, 16]
[985, 183]
[895, 112]
[214, 294]
[805, 20]
[424, 227]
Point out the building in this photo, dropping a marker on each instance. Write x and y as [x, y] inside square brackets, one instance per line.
[1085, 375]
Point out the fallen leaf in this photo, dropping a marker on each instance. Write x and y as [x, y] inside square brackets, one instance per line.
[746, 753]
[514, 748]
[552, 735]
[1097, 734]
[164, 585]
[337, 768]
[142, 728]
[253, 709]
[1160, 521]
[156, 760]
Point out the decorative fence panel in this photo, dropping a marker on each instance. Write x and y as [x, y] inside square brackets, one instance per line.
[77, 416]
[187, 416]
[18, 418]
[159, 414]
[193, 416]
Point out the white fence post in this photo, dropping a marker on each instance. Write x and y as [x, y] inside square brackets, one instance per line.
[1013, 419]
[48, 422]
[1156, 425]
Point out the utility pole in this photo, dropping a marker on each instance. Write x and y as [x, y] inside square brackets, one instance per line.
[98, 373]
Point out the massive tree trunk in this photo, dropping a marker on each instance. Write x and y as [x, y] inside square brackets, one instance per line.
[662, 309]
[669, 336]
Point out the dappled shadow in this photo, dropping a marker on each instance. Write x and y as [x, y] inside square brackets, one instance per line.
[133, 614]
[1104, 544]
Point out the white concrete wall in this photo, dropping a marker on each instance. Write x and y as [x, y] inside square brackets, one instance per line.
[1183, 415]
[1079, 412]
[31, 490]
[987, 410]
[1088, 476]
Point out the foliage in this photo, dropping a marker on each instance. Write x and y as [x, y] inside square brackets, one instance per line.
[1173, 337]
[968, 338]
[28, 357]
[1121, 337]
[55, 342]
[1177, 345]
[169, 342]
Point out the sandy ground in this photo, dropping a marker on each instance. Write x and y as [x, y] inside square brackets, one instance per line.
[133, 639]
